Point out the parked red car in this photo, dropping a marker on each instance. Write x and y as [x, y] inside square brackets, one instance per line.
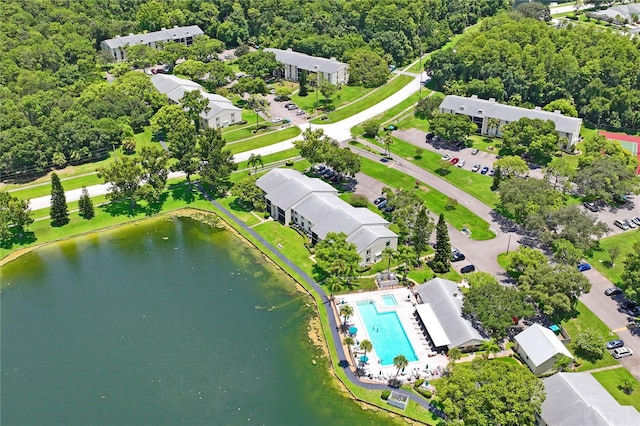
[455, 160]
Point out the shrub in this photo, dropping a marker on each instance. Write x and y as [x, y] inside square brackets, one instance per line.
[418, 383]
[371, 128]
[451, 203]
[385, 394]
[589, 344]
[359, 200]
[427, 394]
[289, 163]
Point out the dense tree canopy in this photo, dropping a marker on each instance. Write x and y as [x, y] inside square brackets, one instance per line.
[537, 64]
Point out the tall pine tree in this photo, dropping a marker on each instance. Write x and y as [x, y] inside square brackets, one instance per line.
[86, 205]
[59, 211]
[421, 232]
[442, 258]
[303, 83]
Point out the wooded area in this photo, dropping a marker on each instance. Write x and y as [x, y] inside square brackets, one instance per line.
[56, 109]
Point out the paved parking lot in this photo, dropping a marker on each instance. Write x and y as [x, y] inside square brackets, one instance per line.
[278, 109]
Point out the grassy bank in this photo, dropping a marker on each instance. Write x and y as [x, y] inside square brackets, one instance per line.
[601, 259]
[611, 379]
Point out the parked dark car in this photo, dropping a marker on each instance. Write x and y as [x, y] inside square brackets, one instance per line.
[457, 257]
[484, 170]
[389, 209]
[615, 344]
[430, 136]
[583, 266]
[467, 269]
[591, 206]
[382, 204]
[319, 168]
[378, 200]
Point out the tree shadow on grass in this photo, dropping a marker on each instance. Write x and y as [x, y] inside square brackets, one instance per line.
[123, 208]
[156, 207]
[182, 191]
[19, 239]
[240, 206]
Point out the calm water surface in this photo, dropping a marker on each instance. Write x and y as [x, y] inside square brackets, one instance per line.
[160, 323]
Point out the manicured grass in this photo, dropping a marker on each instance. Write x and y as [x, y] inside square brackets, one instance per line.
[459, 217]
[143, 138]
[44, 189]
[246, 132]
[600, 258]
[413, 122]
[395, 114]
[373, 98]
[343, 96]
[271, 158]
[264, 140]
[240, 211]
[611, 379]
[586, 319]
[475, 184]
[288, 241]
[425, 273]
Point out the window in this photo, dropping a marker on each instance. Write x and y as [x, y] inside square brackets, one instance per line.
[388, 244]
[233, 117]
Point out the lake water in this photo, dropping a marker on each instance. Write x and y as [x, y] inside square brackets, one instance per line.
[164, 322]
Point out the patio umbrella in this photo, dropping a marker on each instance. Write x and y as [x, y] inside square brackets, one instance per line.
[364, 358]
[353, 330]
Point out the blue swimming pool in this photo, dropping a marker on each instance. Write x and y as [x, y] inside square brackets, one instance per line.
[386, 333]
[389, 300]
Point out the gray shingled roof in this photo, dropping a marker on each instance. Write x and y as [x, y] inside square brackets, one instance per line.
[317, 206]
[579, 399]
[540, 344]
[347, 219]
[476, 107]
[439, 294]
[368, 234]
[286, 187]
[624, 10]
[162, 35]
[306, 62]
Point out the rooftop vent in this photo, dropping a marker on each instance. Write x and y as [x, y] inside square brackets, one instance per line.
[492, 99]
[538, 109]
[474, 96]
[557, 111]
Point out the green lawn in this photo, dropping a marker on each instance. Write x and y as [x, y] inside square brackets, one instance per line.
[246, 131]
[240, 211]
[271, 158]
[475, 184]
[343, 96]
[600, 258]
[44, 188]
[459, 217]
[373, 98]
[611, 379]
[413, 122]
[395, 114]
[585, 320]
[264, 140]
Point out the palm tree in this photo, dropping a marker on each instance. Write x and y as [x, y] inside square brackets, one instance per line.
[254, 160]
[348, 341]
[387, 140]
[491, 347]
[405, 255]
[400, 362]
[366, 346]
[455, 354]
[334, 284]
[388, 253]
[494, 123]
[346, 311]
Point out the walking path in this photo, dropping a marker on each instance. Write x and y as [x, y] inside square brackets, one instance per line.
[343, 359]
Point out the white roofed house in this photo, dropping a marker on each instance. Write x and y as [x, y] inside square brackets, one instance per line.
[482, 110]
[314, 207]
[115, 47]
[331, 70]
[539, 348]
[440, 309]
[579, 399]
[221, 113]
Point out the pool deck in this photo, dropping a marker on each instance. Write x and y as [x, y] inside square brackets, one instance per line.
[405, 309]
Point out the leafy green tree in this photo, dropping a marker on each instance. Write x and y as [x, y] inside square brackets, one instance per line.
[342, 160]
[428, 106]
[565, 252]
[452, 127]
[589, 344]
[605, 178]
[328, 90]
[368, 69]
[195, 104]
[405, 255]
[124, 177]
[334, 285]
[554, 288]
[400, 362]
[524, 198]
[534, 138]
[204, 49]
[371, 128]
[15, 215]
[454, 354]
[631, 274]
[387, 141]
[194, 70]
[167, 118]
[250, 85]
[523, 258]
[336, 256]
[155, 171]
[388, 254]
[314, 146]
[494, 123]
[182, 146]
[559, 172]
[575, 225]
[85, 205]
[442, 258]
[562, 363]
[248, 193]
[490, 347]
[257, 103]
[258, 63]
[59, 212]
[141, 55]
[303, 81]
[216, 161]
[535, 10]
[565, 106]
[494, 305]
[488, 392]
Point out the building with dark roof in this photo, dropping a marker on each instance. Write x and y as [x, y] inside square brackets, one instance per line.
[115, 47]
[315, 208]
[331, 70]
[482, 110]
[221, 113]
[440, 309]
[579, 399]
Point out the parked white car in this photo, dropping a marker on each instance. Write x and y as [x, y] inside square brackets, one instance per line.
[461, 163]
